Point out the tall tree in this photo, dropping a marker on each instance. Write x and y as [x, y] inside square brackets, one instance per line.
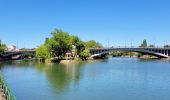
[59, 43]
[144, 43]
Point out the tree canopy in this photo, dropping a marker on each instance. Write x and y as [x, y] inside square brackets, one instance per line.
[79, 45]
[93, 44]
[61, 42]
[42, 52]
[144, 43]
[166, 46]
[2, 47]
[151, 45]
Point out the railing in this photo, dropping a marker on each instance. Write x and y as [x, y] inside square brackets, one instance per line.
[5, 89]
[160, 47]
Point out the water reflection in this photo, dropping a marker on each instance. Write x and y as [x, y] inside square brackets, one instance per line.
[115, 78]
[60, 76]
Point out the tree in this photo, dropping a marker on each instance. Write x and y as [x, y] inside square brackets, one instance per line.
[85, 54]
[46, 40]
[152, 46]
[42, 52]
[79, 45]
[144, 43]
[59, 43]
[166, 46]
[2, 47]
[93, 44]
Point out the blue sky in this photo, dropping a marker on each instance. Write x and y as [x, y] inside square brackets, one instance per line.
[26, 23]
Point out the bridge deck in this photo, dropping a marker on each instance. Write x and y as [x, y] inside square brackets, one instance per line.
[159, 52]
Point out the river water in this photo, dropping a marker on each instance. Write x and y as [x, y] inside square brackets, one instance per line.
[111, 79]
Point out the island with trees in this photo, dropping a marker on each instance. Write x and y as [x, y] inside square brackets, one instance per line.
[61, 45]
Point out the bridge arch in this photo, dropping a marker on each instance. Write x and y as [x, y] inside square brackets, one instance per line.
[158, 52]
[10, 54]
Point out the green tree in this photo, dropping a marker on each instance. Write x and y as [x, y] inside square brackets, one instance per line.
[59, 43]
[42, 52]
[85, 54]
[79, 45]
[166, 46]
[2, 47]
[151, 46]
[93, 44]
[46, 40]
[144, 43]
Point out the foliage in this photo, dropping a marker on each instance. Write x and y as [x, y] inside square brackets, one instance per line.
[61, 42]
[139, 55]
[151, 46]
[166, 46]
[42, 52]
[144, 43]
[79, 45]
[85, 54]
[93, 44]
[2, 47]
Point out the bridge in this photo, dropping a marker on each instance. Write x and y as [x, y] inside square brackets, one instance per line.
[10, 54]
[158, 52]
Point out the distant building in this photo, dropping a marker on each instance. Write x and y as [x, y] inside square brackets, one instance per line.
[11, 48]
[71, 54]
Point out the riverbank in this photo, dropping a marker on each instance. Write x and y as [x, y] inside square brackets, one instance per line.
[2, 95]
[5, 92]
[67, 62]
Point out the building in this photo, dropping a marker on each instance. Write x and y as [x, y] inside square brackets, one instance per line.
[11, 48]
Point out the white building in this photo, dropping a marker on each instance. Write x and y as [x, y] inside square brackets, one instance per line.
[11, 48]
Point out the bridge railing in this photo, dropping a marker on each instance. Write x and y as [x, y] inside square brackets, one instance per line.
[6, 90]
[136, 47]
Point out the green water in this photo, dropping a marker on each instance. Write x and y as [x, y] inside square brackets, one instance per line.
[112, 79]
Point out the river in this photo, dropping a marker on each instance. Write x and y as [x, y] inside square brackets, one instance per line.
[111, 79]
